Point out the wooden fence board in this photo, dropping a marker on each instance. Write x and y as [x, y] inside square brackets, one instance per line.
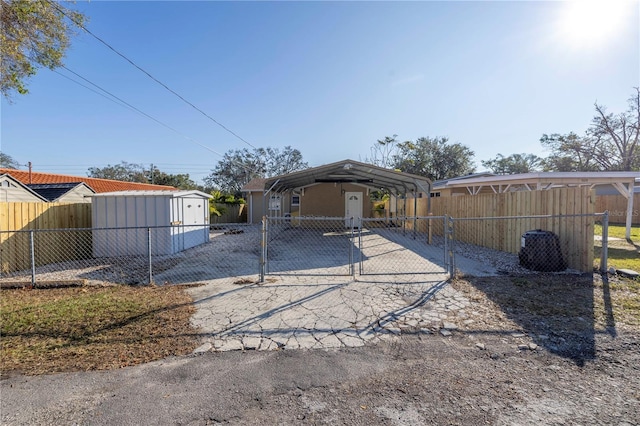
[50, 246]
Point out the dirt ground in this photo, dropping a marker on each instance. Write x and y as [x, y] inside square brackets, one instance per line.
[540, 350]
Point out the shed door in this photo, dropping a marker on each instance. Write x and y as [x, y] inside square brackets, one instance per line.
[353, 209]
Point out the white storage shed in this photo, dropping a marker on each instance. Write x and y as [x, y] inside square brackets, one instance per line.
[178, 220]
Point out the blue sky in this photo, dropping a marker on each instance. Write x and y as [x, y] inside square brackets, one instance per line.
[328, 78]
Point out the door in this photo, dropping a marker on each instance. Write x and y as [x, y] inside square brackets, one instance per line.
[353, 209]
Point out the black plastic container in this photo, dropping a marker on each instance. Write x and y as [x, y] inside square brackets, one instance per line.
[540, 251]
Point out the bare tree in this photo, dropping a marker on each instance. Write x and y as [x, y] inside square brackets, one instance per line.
[617, 135]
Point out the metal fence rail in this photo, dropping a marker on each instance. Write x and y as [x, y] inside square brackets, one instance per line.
[405, 249]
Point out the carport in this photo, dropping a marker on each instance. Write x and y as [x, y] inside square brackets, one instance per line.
[282, 194]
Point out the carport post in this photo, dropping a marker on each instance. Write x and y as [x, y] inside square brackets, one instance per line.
[149, 253]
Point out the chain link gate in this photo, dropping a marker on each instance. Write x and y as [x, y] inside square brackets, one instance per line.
[405, 248]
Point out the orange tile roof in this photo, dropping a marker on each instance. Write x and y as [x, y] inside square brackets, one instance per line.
[98, 185]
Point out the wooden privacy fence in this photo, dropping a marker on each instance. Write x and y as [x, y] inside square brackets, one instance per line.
[230, 213]
[499, 220]
[617, 207]
[15, 247]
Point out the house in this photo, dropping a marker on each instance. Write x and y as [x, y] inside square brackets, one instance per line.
[132, 222]
[338, 189]
[72, 192]
[12, 190]
[27, 177]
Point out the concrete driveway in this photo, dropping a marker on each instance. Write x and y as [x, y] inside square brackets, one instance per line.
[304, 306]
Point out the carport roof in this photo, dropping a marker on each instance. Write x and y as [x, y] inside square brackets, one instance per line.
[349, 171]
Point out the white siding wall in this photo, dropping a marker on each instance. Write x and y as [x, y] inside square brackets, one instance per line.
[148, 211]
[12, 193]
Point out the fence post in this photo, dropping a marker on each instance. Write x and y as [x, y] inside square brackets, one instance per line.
[448, 245]
[352, 269]
[33, 258]
[604, 255]
[149, 254]
[263, 249]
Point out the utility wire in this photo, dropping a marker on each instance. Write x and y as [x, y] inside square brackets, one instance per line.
[79, 24]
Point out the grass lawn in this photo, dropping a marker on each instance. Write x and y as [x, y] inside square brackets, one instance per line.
[623, 254]
[92, 328]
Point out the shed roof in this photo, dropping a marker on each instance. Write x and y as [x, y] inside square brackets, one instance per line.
[98, 185]
[349, 171]
[170, 194]
[53, 191]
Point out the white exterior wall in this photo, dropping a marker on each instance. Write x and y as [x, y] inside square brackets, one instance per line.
[12, 193]
[144, 211]
[79, 194]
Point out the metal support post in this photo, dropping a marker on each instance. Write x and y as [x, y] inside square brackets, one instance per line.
[33, 258]
[149, 253]
[604, 256]
[263, 249]
[352, 270]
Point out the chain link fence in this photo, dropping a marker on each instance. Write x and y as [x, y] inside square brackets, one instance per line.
[405, 249]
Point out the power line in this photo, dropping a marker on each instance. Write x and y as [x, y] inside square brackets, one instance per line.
[79, 24]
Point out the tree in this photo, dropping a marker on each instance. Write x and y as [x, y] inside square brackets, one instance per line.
[238, 167]
[434, 158]
[7, 162]
[35, 33]
[383, 152]
[618, 135]
[515, 163]
[570, 153]
[129, 172]
[611, 142]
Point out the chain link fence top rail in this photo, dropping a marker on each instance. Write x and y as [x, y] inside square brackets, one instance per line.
[403, 249]
[163, 255]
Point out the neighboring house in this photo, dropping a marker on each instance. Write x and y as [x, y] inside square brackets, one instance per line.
[76, 192]
[254, 195]
[12, 190]
[98, 185]
[338, 189]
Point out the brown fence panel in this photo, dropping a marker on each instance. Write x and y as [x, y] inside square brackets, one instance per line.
[230, 213]
[15, 246]
[617, 207]
[576, 233]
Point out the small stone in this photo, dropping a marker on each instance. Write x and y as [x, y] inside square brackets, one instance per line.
[203, 348]
[467, 322]
[612, 270]
[523, 347]
[495, 356]
[629, 273]
[518, 335]
[445, 332]
[449, 326]
[480, 346]
[533, 346]
[543, 336]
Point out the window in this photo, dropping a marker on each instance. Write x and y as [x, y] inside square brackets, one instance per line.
[295, 200]
[274, 202]
[435, 194]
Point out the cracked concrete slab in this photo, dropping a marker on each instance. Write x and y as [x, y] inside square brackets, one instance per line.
[326, 312]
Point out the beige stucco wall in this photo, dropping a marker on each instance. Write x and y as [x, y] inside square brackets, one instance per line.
[327, 199]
